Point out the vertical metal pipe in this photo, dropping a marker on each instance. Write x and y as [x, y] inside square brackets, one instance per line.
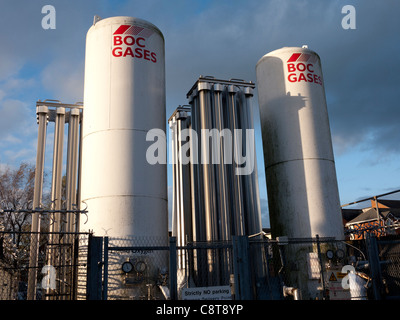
[253, 211]
[238, 199]
[220, 172]
[187, 205]
[183, 123]
[207, 176]
[41, 112]
[204, 158]
[221, 184]
[256, 217]
[201, 215]
[242, 150]
[79, 173]
[197, 190]
[180, 196]
[195, 187]
[72, 166]
[56, 185]
[172, 126]
[249, 181]
[178, 222]
[228, 159]
[78, 202]
[71, 193]
[56, 254]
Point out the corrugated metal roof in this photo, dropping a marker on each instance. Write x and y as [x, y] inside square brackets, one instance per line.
[366, 216]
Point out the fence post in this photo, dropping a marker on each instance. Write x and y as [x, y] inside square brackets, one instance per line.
[321, 265]
[243, 283]
[94, 268]
[105, 264]
[374, 264]
[172, 269]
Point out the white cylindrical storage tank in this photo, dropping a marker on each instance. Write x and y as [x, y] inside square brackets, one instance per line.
[299, 162]
[124, 98]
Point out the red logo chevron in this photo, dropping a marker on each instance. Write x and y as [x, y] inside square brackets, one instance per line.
[302, 57]
[133, 30]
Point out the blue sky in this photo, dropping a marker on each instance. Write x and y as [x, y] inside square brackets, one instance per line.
[223, 38]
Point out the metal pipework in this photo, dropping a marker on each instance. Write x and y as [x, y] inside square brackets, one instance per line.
[60, 214]
[42, 114]
[223, 203]
[56, 184]
[181, 202]
[72, 167]
[56, 196]
[227, 197]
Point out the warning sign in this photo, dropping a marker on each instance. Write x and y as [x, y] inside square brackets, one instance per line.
[334, 279]
[207, 293]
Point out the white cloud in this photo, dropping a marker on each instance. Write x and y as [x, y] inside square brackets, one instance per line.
[10, 139]
[63, 77]
[14, 84]
[20, 154]
[13, 114]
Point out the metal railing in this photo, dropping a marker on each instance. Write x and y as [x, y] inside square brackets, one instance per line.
[88, 267]
[59, 258]
[252, 269]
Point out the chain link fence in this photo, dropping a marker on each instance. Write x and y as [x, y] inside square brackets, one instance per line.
[136, 268]
[153, 268]
[317, 269]
[55, 272]
[389, 261]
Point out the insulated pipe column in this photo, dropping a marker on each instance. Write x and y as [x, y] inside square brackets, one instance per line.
[71, 186]
[56, 185]
[211, 223]
[72, 166]
[42, 113]
[254, 214]
[197, 173]
[223, 205]
[181, 205]
[221, 183]
[236, 179]
[55, 251]
[206, 161]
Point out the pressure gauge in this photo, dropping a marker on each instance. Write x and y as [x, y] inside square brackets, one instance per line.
[127, 267]
[140, 266]
[340, 254]
[329, 254]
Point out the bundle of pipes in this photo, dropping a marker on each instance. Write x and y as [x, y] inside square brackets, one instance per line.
[225, 202]
[63, 219]
[216, 192]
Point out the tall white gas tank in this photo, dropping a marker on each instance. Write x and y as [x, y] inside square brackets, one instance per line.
[124, 98]
[299, 162]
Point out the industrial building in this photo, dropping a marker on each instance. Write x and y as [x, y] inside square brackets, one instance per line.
[117, 181]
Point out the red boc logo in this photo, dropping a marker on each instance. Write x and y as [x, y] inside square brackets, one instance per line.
[300, 67]
[131, 41]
